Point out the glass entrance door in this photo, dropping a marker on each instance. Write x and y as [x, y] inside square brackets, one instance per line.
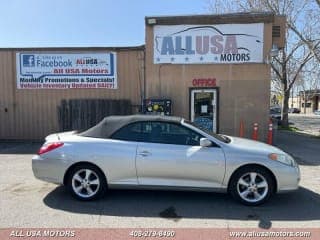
[204, 108]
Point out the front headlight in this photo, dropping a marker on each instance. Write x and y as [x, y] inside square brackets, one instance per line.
[284, 158]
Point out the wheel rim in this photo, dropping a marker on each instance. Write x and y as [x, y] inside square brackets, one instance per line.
[85, 183]
[252, 187]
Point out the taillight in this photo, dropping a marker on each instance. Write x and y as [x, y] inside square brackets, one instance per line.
[49, 147]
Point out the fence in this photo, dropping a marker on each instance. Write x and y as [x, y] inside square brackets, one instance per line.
[80, 114]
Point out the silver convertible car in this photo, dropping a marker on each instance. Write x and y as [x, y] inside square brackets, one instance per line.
[159, 152]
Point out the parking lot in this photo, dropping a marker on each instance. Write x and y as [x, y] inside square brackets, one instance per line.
[27, 202]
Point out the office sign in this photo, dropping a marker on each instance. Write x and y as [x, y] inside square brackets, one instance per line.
[208, 44]
[204, 82]
[66, 71]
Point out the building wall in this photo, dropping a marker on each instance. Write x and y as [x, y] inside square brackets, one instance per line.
[33, 114]
[312, 103]
[295, 102]
[244, 89]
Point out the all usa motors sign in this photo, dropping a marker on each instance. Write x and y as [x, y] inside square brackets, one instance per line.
[65, 71]
[196, 44]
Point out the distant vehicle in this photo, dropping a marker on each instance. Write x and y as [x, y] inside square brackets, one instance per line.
[294, 110]
[275, 113]
[162, 152]
[317, 112]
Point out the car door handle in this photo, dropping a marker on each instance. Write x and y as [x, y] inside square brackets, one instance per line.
[144, 153]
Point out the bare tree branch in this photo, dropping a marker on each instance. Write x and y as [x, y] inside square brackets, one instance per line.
[309, 43]
[302, 50]
[279, 75]
[305, 61]
[293, 50]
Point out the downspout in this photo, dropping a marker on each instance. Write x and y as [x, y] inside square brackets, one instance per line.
[144, 80]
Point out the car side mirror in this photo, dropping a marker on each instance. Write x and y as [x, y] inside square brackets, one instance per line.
[205, 142]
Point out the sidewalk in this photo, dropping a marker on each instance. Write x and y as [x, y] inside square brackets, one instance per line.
[306, 123]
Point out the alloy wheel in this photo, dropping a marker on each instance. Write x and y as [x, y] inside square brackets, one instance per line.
[252, 187]
[85, 183]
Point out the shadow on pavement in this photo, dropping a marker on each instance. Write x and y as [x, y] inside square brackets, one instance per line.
[302, 205]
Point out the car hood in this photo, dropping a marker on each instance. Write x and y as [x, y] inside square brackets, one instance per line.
[253, 146]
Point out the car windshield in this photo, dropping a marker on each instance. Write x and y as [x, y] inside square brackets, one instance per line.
[220, 137]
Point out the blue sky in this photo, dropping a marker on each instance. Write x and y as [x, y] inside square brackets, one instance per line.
[56, 23]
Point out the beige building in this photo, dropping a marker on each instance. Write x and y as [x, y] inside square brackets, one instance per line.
[214, 70]
[307, 101]
[224, 91]
[32, 113]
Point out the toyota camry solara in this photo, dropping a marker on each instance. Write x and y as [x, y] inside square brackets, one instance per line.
[158, 152]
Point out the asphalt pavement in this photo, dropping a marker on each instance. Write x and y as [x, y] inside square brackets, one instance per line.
[304, 148]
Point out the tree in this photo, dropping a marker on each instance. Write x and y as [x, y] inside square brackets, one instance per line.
[310, 88]
[303, 41]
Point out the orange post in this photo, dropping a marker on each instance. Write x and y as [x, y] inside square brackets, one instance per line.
[255, 131]
[241, 131]
[270, 132]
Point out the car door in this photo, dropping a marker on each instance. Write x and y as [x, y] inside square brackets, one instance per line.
[122, 148]
[172, 156]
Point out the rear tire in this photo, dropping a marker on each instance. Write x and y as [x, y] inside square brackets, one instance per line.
[86, 182]
[252, 185]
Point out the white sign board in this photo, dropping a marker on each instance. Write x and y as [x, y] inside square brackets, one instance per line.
[65, 71]
[197, 44]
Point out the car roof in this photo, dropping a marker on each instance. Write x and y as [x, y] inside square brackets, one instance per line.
[111, 124]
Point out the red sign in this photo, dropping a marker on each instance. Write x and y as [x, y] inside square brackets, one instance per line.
[204, 82]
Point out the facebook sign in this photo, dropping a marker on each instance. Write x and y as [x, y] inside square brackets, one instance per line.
[28, 60]
[66, 70]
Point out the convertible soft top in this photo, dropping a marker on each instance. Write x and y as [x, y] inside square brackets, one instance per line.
[111, 124]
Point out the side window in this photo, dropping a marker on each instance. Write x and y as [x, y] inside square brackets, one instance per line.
[132, 132]
[170, 133]
[158, 132]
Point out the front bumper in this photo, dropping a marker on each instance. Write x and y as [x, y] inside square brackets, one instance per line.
[288, 179]
[48, 170]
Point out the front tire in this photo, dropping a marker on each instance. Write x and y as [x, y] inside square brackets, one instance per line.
[86, 182]
[252, 186]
